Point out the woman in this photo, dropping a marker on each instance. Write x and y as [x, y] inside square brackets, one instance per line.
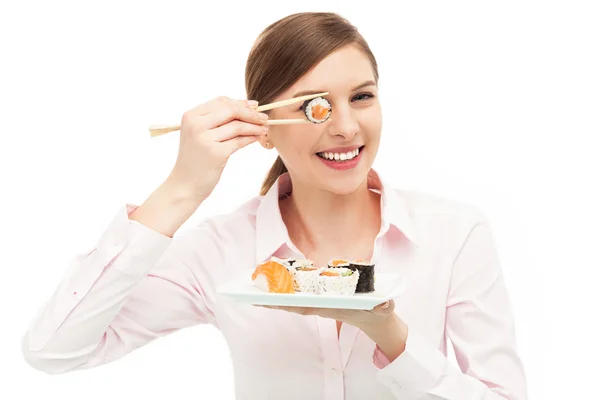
[140, 282]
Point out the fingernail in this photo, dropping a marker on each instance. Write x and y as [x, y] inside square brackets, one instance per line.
[263, 116]
[265, 128]
[252, 103]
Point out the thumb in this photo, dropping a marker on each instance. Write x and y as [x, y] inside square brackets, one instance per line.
[386, 307]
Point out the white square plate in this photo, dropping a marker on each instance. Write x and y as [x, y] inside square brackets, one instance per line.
[242, 289]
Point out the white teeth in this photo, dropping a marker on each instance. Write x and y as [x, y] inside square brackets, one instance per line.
[339, 156]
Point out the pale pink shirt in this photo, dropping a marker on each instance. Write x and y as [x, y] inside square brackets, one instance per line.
[136, 285]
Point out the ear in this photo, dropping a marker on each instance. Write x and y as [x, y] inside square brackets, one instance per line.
[265, 142]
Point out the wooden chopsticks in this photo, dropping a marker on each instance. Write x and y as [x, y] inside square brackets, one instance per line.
[157, 130]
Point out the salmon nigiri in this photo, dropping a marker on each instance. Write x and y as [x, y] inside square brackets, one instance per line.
[273, 277]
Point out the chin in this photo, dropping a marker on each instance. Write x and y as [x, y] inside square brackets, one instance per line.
[341, 181]
[343, 185]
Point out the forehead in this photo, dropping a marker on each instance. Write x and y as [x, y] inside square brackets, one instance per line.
[340, 71]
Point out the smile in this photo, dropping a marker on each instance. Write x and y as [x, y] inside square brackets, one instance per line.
[340, 156]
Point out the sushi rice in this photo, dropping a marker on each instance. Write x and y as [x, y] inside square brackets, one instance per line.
[339, 280]
[305, 275]
[306, 278]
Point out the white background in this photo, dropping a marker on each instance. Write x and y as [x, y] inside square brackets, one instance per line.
[492, 103]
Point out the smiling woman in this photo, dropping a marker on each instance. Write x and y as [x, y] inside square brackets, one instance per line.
[321, 201]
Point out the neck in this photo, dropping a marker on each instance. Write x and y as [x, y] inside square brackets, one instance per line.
[342, 224]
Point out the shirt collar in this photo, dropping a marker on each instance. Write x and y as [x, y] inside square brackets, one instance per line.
[271, 232]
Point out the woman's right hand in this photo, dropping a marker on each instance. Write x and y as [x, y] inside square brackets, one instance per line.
[210, 134]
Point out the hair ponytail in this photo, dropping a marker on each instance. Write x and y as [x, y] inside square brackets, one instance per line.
[275, 172]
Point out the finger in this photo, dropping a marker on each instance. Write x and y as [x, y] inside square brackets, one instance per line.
[237, 128]
[216, 103]
[237, 143]
[233, 110]
[385, 308]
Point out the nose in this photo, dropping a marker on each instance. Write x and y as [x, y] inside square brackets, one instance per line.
[343, 122]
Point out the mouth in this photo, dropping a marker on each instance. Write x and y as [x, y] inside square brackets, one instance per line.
[341, 157]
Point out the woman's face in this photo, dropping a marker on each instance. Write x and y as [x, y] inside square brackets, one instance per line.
[354, 125]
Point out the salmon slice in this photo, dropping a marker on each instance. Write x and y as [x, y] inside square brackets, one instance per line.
[319, 112]
[329, 273]
[335, 263]
[273, 277]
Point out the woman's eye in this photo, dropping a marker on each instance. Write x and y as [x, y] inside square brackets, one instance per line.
[363, 96]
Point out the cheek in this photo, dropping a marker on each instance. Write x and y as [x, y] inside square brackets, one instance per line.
[289, 142]
[298, 144]
[372, 124]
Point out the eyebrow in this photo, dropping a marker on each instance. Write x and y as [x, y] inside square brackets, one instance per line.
[362, 85]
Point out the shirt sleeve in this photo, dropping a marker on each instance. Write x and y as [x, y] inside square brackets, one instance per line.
[131, 288]
[480, 326]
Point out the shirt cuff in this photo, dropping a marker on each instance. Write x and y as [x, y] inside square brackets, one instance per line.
[415, 371]
[379, 359]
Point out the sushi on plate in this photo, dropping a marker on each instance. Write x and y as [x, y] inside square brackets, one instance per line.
[366, 280]
[273, 277]
[338, 280]
[305, 275]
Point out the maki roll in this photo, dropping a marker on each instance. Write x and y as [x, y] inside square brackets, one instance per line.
[338, 280]
[317, 110]
[366, 281]
[305, 275]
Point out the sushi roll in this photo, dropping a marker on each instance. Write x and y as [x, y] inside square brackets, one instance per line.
[306, 276]
[317, 110]
[366, 280]
[273, 277]
[341, 281]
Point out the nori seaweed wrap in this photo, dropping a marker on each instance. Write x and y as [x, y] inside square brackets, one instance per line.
[366, 278]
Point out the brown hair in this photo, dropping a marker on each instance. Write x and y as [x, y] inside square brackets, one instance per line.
[288, 49]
